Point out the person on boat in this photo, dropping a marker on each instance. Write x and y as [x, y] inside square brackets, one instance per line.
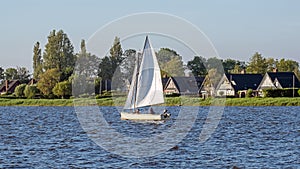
[137, 111]
[151, 110]
[166, 114]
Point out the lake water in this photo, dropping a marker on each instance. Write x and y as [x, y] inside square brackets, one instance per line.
[246, 137]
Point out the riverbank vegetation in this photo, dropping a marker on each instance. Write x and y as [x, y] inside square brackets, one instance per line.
[174, 101]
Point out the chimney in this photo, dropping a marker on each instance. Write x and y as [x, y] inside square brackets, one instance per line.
[275, 70]
[6, 85]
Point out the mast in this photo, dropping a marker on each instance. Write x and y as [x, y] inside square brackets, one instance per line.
[136, 81]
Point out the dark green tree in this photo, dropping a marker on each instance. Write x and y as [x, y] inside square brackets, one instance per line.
[127, 66]
[105, 68]
[116, 55]
[257, 64]
[229, 65]
[11, 73]
[216, 64]
[238, 67]
[23, 74]
[37, 60]
[59, 55]
[110, 64]
[86, 63]
[1, 73]
[197, 66]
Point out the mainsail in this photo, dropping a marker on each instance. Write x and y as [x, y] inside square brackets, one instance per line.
[146, 86]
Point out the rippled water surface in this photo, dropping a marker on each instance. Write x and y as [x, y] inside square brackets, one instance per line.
[247, 137]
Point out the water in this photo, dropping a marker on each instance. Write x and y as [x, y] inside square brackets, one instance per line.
[247, 137]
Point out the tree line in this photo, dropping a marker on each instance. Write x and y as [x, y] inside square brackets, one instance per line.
[58, 65]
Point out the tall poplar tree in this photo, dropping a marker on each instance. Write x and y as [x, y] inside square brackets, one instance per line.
[87, 64]
[37, 60]
[110, 64]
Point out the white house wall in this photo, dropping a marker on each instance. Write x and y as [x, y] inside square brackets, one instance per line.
[267, 83]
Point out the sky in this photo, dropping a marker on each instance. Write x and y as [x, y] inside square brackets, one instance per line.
[237, 29]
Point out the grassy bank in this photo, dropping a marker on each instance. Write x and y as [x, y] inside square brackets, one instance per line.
[175, 101]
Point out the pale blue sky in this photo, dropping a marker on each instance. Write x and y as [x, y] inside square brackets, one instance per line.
[236, 28]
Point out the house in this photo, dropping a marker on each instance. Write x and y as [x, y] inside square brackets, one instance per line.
[184, 85]
[9, 86]
[278, 80]
[237, 85]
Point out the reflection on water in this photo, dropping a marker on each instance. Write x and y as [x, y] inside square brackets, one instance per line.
[247, 137]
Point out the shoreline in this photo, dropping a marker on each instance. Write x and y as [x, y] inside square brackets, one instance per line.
[174, 101]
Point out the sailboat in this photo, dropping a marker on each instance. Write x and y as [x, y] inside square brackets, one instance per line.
[145, 88]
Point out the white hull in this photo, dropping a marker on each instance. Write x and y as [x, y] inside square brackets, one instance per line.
[136, 116]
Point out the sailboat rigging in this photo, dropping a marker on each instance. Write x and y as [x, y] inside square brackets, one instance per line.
[146, 87]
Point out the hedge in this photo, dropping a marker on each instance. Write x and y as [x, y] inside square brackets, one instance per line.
[280, 92]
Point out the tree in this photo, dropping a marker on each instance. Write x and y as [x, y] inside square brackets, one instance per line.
[109, 64]
[229, 65]
[63, 89]
[271, 62]
[174, 67]
[127, 66]
[11, 73]
[238, 67]
[23, 74]
[105, 69]
[19, 90]
[216, 64]
[31, 91]
[166, 57]
[86, 64]
[287, 65]
[257, 64]
[37, 60]
[197, 66]
[48, 80]
[1, 73]
[59, 55]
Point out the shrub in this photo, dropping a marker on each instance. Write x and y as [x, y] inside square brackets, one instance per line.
[249, 93]
[19, 90]
[30, 91]
[173, 95]
[62, 89]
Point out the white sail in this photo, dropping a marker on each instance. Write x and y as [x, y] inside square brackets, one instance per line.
[149, 89]
[131, 97]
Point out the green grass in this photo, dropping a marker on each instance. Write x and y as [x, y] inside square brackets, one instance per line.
[170, 101]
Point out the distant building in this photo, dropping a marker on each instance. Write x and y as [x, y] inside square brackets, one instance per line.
[237, 85]
[9, 86]
[184, 85]
[278, 80]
